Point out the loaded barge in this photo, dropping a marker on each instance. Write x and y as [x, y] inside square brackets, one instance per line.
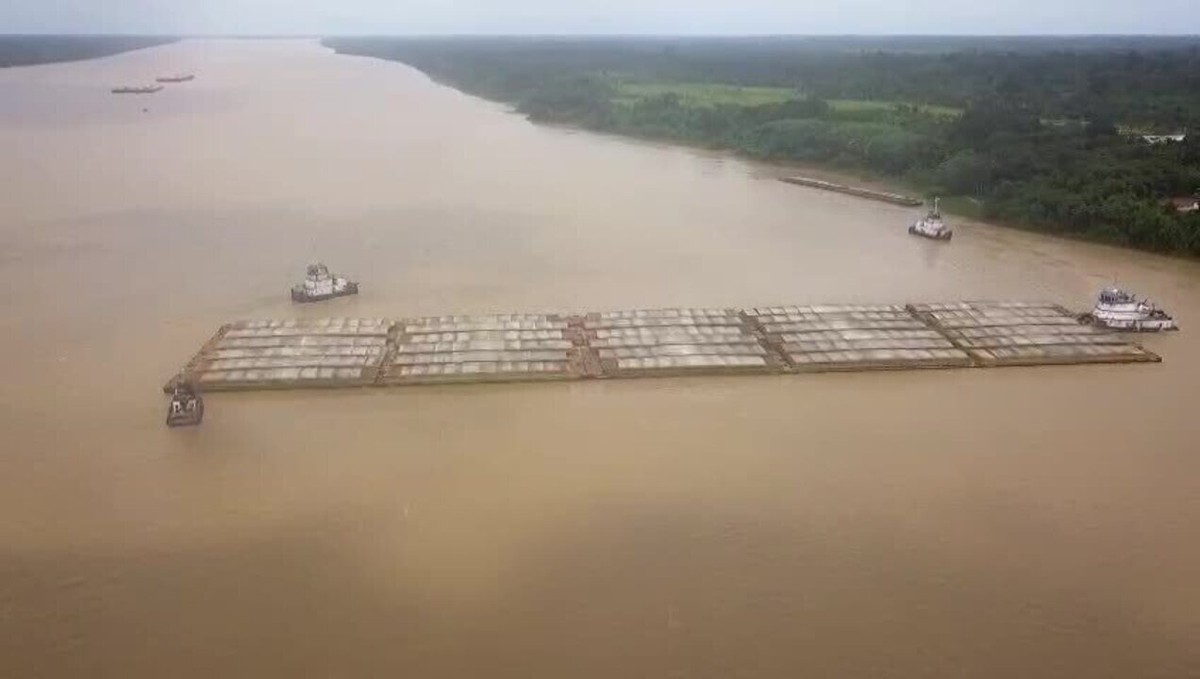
[147, 89]
[885, 196]
[291, 354]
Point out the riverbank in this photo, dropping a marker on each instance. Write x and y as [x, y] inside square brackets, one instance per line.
[964, 207]
[862, 178]
[1083, 180]
[857, 191]
[31, 50]
[841, 179]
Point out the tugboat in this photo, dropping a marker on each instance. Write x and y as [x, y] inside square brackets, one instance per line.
[187, 408]
[1120, 310]
[932, 226]
[319, 285]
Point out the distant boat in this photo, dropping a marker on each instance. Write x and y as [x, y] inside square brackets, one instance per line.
[146, 89]
[320, 285]
[176, 78]
[932, 226]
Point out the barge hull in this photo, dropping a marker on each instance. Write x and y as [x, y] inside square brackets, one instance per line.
[859, 191]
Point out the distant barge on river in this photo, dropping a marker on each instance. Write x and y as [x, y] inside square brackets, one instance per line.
[353, 352]
[145, 89]
[894, 198]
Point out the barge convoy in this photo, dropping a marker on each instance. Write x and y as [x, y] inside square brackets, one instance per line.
[350, 352]
[885, 196]
[157, 86]
[137, 89]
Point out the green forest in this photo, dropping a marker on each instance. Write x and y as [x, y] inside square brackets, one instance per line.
[28, 50]
[1043, 133]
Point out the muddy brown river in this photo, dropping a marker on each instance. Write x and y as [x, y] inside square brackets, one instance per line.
[976, 523]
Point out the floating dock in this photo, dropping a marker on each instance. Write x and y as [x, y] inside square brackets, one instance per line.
[885, 196]
[345, 352]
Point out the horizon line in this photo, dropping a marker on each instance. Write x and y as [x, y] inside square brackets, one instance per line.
[255, 35]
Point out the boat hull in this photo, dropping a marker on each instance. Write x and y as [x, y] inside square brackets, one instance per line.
[945, 235]
[1131, 325]
[301, 297]
[185, 415]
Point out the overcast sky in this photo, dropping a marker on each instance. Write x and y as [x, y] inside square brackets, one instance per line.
[601, 16]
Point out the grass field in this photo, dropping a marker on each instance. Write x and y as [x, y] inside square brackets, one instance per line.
[704, 94]
[865, 105]
[963, 206]
[718, 94]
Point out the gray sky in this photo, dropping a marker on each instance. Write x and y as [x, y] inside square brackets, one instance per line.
[600, 16]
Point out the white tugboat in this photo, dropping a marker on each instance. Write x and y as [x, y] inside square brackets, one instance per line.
[319, 285]
[932, 226]
[1120, 310]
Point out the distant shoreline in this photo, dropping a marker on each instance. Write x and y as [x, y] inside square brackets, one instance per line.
[935, 124]
[35, 50]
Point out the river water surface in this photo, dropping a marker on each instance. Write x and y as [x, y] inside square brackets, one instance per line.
[976, 523]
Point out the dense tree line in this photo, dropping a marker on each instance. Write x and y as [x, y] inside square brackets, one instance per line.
[1037, 143]
[27, 50]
